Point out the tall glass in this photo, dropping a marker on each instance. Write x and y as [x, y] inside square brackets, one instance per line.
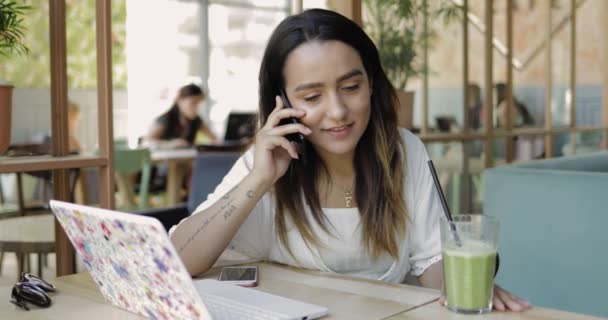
[469, 244]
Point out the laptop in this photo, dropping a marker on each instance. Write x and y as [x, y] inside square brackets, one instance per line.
[241, 126]
[136, 268]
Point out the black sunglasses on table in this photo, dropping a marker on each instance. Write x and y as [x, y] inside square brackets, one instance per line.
[31, 289]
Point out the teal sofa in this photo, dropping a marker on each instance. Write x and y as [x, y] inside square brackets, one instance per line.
[554, 230]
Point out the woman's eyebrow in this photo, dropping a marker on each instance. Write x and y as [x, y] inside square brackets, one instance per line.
[350, 74]
[346, 76]
[307, 86]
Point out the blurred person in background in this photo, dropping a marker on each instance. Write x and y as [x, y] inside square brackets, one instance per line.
[178, 127]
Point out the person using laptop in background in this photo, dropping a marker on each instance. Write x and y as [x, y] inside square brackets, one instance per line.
[356, 197]
[177, 128]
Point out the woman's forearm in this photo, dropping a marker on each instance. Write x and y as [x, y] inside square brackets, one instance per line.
[202, 237]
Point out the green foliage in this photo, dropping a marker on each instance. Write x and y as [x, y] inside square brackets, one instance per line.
[33, 71]
[82, 44]
[11, 28]
[397, 29]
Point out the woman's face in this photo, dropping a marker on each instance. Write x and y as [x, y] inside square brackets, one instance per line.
[328, 81]
[188, 106]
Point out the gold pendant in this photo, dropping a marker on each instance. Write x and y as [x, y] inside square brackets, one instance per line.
[348, 199]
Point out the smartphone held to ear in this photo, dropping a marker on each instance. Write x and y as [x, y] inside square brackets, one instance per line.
[246, 276]
[293, 137]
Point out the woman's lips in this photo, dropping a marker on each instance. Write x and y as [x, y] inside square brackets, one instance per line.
[339, 132]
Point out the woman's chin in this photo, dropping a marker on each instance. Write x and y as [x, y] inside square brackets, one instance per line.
[339, 149]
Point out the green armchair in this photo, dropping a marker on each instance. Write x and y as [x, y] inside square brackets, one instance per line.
[554, 220]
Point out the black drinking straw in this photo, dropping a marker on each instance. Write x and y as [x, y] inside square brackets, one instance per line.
[444, 203]
[448, 214]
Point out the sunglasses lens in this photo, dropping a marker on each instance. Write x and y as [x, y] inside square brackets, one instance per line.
[28, 292]
[26, 277]
[32, 290]
[17, 300]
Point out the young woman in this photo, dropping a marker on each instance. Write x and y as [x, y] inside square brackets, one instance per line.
[358, 199]
[178, 127]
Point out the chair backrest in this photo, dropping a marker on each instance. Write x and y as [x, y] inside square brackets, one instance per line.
[552, 232]
[209, 170]
[121, 143]
[130, 161]
[588, 162]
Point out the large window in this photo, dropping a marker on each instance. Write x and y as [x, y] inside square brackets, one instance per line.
[163, 53]
[237, 33]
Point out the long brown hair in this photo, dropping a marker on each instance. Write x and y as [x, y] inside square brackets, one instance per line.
[379, 155]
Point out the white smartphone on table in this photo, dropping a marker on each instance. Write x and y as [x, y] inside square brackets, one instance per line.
[246, 276]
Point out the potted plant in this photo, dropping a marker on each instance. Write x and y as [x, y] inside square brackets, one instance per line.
[11, 42]
[397, 28]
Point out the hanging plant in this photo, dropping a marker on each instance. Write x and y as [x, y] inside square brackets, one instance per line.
[11, 28]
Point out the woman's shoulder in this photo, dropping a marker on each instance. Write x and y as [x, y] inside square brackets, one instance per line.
[415, 154]
[411, 141]
[241, 168]
[167, 118]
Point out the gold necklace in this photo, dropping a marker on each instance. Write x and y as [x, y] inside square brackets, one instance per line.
[348, 196]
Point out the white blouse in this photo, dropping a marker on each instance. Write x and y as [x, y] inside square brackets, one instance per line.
[343, 251]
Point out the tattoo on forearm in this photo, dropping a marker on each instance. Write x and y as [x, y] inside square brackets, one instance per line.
[203, 225]
[227, 209]
[229, 203]
[229, 212]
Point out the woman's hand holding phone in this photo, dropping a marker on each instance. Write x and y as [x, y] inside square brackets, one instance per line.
[273, 151]
[298, 138]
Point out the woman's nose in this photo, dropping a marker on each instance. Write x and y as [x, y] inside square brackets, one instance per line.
[337, 109]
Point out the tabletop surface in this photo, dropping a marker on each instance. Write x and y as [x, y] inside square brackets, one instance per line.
[346, 298]
[436, 311]
[173, 154]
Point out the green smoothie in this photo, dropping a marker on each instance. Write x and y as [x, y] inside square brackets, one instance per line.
[469, 276]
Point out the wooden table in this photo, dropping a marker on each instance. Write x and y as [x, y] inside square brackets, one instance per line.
[224, 146]
[346, 298]
[30, 234]
[177, 160]
[435, 311]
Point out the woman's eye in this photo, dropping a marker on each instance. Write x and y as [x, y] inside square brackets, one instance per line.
[311, 98]
[352, 88]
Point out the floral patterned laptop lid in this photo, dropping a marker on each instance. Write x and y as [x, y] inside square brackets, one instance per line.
[132, 261]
